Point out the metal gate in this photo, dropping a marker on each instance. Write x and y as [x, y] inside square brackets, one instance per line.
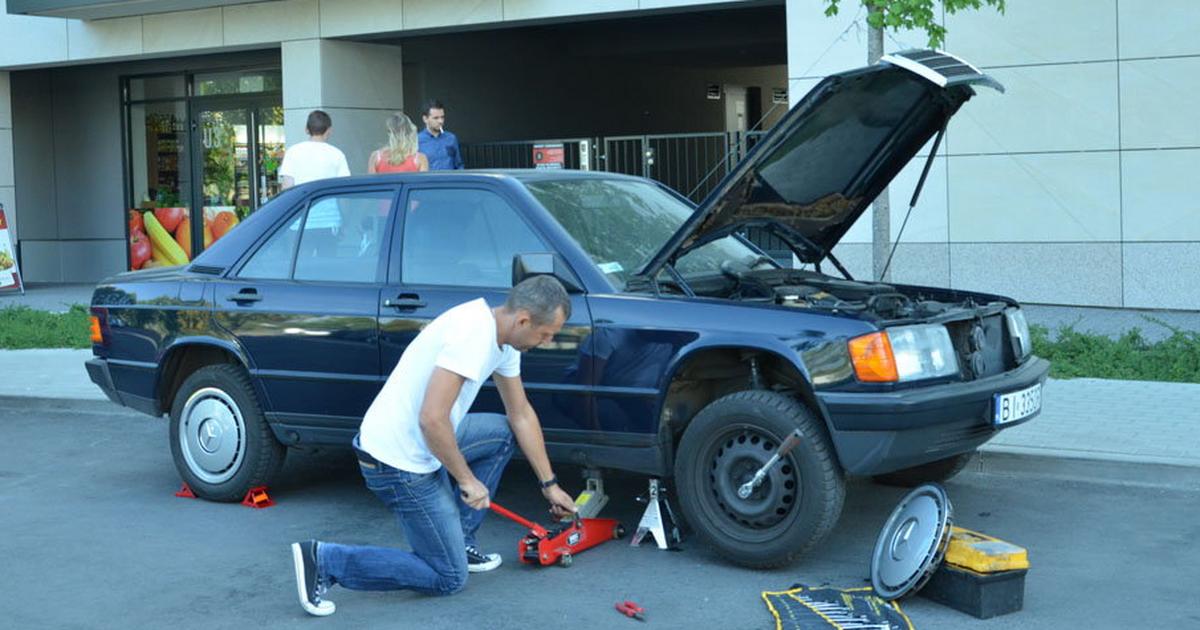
[578, 153]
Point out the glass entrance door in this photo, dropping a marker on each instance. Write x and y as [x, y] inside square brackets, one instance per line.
[239, 148]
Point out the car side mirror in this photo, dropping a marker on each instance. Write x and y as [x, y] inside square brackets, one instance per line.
[544, 264]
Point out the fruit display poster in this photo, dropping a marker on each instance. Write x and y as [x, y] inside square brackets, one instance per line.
[10, 273]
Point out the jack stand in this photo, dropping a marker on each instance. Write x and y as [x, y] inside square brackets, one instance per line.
[589, 502]
[658, 520]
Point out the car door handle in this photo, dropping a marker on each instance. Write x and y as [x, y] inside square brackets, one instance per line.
[405, 300]
[245, 295]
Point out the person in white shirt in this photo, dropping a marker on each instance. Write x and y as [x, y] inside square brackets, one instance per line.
[309, 161]
[435, 465]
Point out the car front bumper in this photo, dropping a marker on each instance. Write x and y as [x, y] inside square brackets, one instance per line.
[881, 432]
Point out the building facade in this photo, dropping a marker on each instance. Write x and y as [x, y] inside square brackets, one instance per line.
[1071, 188]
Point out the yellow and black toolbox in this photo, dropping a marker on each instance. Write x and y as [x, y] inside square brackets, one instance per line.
[981, 576]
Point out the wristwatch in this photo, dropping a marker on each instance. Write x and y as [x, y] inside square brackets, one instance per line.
[552, 481]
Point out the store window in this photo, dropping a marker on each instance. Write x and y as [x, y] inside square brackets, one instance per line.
[199, 160]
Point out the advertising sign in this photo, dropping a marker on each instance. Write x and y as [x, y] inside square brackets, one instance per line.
[10, 274]
[548, 156]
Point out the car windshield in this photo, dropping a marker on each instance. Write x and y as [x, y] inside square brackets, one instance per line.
[622, 223]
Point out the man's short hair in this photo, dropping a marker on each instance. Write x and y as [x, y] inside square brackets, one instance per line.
[541, 296]
[431, 104]
[318, 123]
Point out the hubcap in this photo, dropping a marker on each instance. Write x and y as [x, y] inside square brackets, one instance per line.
[736, 457]
[212, 435]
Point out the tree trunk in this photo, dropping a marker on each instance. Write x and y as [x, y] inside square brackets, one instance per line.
[881, 217]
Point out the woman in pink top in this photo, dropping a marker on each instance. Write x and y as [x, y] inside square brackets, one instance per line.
[400, 155]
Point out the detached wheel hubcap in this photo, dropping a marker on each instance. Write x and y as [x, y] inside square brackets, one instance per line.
[212, 435]
[736, 457]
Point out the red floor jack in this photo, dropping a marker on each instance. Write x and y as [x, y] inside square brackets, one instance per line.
[543, 546]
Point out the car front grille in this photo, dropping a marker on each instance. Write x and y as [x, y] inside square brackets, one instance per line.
[982, 347]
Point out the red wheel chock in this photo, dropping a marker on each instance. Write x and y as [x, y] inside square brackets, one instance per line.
[186, 492]
[257, 498]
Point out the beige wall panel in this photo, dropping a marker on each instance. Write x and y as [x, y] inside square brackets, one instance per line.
[31, 40]
[41, 261]
[356, 17]
[1044, 108]
[1159, 100]
[1160, 198]
[6, 158]
[1159, 28]
[1083, 274]
[5, 101]
[95, 39]
[270, 22]
[534, 9]
[301, 62]
[361, 75]
[1162, 275]
[1063, 197]
[183, 30]
[91, 261]
[435, 13]
[1036, 31]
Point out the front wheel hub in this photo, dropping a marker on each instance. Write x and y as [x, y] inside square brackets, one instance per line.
[737, 457]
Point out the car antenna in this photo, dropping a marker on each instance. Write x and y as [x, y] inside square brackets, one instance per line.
[916, 194]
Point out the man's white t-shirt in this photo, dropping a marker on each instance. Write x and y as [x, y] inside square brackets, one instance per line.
[461, 340]
[309, 161]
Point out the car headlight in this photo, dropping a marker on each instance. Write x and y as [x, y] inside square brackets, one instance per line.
[904, 353]
[1018, 331]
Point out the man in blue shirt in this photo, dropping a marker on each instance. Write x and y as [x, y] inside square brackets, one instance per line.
[439, 145]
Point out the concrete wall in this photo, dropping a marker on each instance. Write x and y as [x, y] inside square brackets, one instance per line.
[7, 176]
[358, 85]
[1071, 188]
[31, 41]
[68, 169]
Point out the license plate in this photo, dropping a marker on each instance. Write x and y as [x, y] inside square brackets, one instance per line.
[1018, 405]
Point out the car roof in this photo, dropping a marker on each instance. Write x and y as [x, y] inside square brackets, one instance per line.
[517, 174]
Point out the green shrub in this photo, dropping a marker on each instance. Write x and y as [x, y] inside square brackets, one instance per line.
[1128, 357]
[24, 327]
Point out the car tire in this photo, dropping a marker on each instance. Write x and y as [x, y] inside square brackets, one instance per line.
[220, 440]
[797, 504]
[940, 470]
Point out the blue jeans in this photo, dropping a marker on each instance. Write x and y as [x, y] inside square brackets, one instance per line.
[436, 522]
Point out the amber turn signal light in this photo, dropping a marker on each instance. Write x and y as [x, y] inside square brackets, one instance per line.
[872, 358]
[97, 336]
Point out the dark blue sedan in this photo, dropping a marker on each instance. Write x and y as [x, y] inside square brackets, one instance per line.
[690, 355]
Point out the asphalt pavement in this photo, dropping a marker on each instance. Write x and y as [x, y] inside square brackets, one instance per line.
[94, 538]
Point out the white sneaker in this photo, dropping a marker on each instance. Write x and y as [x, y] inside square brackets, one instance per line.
[308, 580]
[481, 562]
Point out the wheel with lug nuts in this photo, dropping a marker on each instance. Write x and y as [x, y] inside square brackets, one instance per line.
[796, 505]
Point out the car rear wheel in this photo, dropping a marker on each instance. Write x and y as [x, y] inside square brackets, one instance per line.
[798, 502]
[219, 437]
[939, 470]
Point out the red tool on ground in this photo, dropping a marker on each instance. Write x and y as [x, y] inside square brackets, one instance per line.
[631, 609]
[543, 546]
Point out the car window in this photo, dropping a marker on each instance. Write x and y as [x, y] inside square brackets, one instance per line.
[273, 261]
[340, 241]
[463, 237]
[342, 237]
[622, 223]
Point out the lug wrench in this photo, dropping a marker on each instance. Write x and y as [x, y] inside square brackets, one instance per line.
[747, 488]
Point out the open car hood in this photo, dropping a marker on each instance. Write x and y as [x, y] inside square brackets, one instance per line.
[811, 177]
